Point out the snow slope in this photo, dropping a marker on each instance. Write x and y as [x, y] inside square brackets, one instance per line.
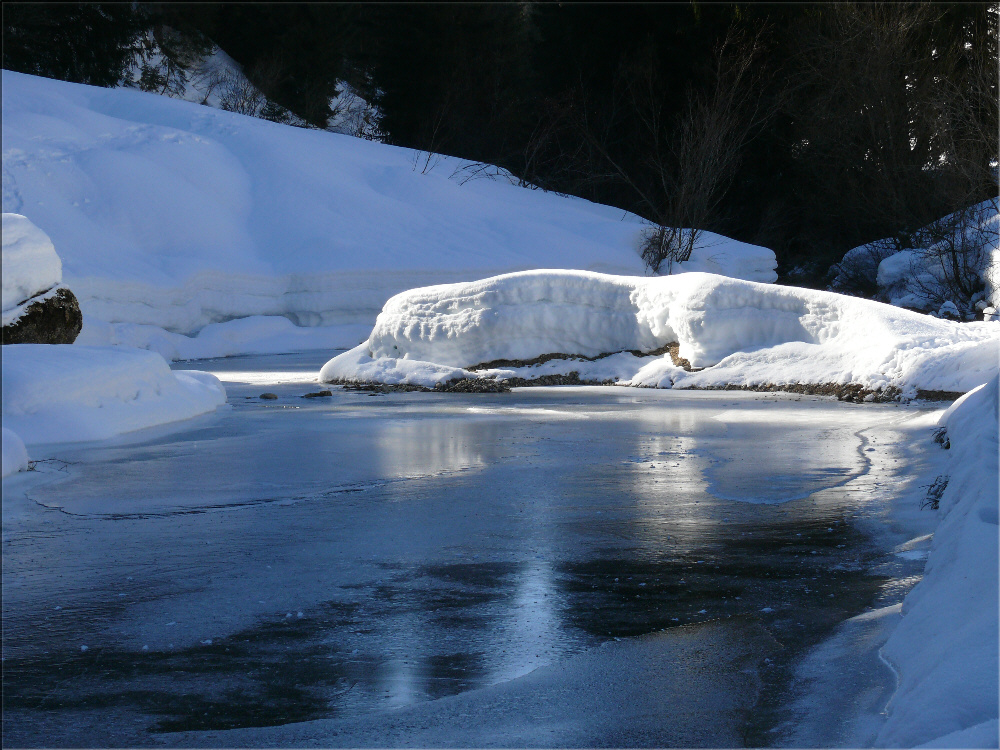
[62, 393]
[945, 647]
[744, 333]
[176, 215]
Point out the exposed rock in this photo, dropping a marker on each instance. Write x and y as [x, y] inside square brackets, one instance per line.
[319, 394]
[571, 378]
[843, 391]
[473, 385]
[459, 385]
[268, 396]
[47, 318]
[350, 385]
[923, 395]
[671, 349]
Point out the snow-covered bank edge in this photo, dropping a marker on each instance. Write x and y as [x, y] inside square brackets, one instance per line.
[694, 330]
[945, 648]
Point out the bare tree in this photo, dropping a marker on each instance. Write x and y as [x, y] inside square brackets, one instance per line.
[239, 95]
[691, 159]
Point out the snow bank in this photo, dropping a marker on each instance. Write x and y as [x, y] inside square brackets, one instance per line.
[945, 647]
[175, 215]
[15, 455]
[30, 263]
[745, 333]
[56, 394]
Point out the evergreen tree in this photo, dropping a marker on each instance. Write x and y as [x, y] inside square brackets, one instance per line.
[93, 43]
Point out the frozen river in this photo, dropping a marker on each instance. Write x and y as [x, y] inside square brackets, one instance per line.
[553, 566]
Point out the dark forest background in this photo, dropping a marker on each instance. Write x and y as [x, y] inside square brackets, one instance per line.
[807, 128]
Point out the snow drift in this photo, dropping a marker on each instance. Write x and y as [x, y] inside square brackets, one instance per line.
[175, 215]
[945, 647]
[59, 394]
[744, 333]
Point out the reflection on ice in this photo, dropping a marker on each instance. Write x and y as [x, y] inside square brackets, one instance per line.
[538, 413]
[428, 447]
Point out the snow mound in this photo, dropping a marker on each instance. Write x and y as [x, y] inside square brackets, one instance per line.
[945, 647]
[15, 455]
[30, 263]
[179, 216]
[358, 366]
[59, 394]
[744, 333]
[724, 256]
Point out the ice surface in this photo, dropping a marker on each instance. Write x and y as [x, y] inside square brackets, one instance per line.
[981, 735]
[377, 517]
[30, 263]
[745, 333]
[175, 215]
[59, 393]
[15, 456]
[652, 691]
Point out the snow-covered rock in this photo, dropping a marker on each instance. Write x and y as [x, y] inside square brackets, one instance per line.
[897, 273]
[923, 278]
[745, 333]
[56, 394]
[30, 262]
[945, 648]
[36, 309]
[15, 455]
[179, 216]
